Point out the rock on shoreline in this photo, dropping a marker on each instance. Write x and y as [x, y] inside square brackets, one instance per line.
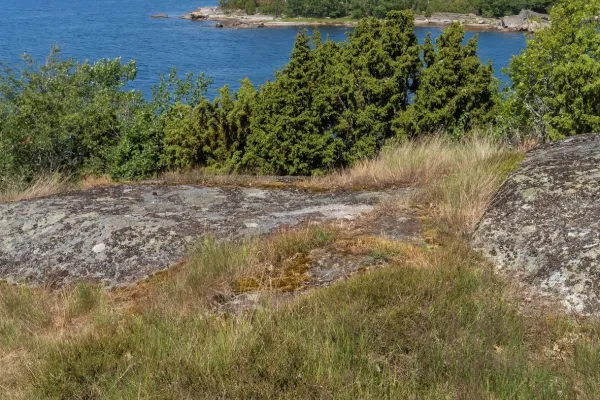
[525, 21]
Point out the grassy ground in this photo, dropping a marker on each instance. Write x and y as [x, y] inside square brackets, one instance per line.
[438, 322]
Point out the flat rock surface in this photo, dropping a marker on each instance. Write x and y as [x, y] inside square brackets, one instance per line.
[545, 222]
[121, 234]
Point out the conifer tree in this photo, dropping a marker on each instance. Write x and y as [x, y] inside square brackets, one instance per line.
[456, 91]
[381, 64]
[287, 135]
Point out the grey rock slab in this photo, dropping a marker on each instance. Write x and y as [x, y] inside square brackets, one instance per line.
[121, 234]
[545, 222]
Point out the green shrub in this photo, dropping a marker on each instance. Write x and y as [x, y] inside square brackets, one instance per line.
[62, 115]
[137, 154]
[182, 146]
[556, 79]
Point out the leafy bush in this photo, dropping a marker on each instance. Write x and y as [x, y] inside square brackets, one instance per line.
[76, 118]
[63, 115]
[556, 79]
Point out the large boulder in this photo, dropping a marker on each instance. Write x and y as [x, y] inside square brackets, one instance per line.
[514, 22]
[545, 222]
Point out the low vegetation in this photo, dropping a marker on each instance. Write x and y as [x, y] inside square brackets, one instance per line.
[436, 322]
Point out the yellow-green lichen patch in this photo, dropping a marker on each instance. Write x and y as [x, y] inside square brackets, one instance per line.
[295, 274]
[246, 284]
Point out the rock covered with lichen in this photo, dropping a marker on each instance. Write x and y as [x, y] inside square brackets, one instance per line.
[545, 222]
[119, 235]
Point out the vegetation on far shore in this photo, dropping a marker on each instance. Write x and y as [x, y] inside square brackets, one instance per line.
[370, 8]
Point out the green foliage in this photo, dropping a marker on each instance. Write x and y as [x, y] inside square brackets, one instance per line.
[332, 105]
[76, 118]
[498, 8]
[181, 142]
[62, 115]
[137, 154]
[456, 92]
[380, 8]
[291, 125]
[555, 88]
[384, 67]
[209, 134]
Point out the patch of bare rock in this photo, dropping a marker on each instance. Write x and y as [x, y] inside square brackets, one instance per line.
[544, 223]
[120, 235]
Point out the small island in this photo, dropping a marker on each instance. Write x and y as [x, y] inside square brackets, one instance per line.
[524, 21]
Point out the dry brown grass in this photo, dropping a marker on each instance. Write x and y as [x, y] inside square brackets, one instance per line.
[458, 201]
[47, 185]
[417, 163]
[206, 177]
[44, 186]
[91, 181]
[454, 181]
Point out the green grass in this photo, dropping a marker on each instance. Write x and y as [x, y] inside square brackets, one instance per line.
[399, 332]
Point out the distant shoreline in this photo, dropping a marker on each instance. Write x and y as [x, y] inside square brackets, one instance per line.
[526, 21]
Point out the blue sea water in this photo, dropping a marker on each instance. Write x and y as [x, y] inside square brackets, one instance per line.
[94, 29]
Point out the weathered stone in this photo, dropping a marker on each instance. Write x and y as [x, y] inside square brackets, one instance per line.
[197, 16]
[119, 235]
[545, 222]
[526, 20]
[514, 22]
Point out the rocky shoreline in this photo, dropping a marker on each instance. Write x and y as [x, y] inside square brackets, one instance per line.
[525, 21]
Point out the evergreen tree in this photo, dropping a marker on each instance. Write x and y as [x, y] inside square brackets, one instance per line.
[456, 91]
[382, 65]
[287, 123]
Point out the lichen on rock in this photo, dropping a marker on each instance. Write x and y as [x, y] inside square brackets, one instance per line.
[121, 234]
[545, 222]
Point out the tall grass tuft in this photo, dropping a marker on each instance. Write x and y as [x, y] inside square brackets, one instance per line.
[418, 162]
[45, 185]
